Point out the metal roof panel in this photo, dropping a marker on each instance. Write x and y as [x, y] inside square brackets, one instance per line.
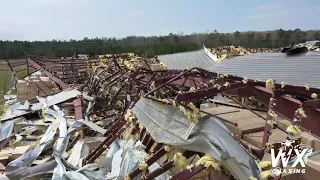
[187, 60]
[294, 70]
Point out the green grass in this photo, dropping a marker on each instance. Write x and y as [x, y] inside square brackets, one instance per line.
[5, 79]
[4, 82]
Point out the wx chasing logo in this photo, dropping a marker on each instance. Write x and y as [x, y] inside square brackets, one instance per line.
[302, 152]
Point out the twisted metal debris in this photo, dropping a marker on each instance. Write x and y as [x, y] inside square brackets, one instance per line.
[152, 119]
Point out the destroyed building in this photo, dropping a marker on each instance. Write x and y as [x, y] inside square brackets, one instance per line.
[178, 116]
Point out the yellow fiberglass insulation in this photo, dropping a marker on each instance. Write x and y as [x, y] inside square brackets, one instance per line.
[301, 112]
[192, 89]
[119, 104]
[152, 86]
[190, 167]
[164, 101]
[244, 80]
[266, 174]
[180, 161]
[182, 109]
[127, 177]
[271, 123]
[209, 162]
[227, 84]
[265, 164]
[293, 129]
[143, 166]
[272, 114]
[162, 66]
[270, 84]
[174, 104]
[307, 87]
[129, 116]
[167, 148]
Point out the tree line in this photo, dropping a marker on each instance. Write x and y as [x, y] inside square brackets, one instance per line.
[155, 45]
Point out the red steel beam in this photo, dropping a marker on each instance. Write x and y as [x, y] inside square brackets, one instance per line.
[205, 76]
[187, 174]
[166, 166]
[285, 106]
[267, 126]
[207, 92]
[150, 161]
[78, 108]
[47, 73]
[105, 144]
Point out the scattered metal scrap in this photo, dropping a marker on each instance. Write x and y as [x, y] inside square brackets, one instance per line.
[131, 121]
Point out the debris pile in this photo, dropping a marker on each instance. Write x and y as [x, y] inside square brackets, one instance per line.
[135, 119]
[227, 52]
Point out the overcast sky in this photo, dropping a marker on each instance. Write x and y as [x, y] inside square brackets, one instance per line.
[76, 19]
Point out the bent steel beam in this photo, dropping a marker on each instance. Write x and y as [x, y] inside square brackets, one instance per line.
[285, 106]
[47, 73]
[207, 92]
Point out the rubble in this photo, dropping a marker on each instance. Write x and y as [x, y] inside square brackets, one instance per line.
[227, 52]
[133, 118]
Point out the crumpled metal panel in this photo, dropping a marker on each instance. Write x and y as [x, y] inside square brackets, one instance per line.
[6, 130]
[24, 106]
[19, 173]
[61, 142]
[13, 111]
[76, 153]
[168, 125]
[65, 171]
[20, 168]
[22, 164]
[93, 126]
[56, 99]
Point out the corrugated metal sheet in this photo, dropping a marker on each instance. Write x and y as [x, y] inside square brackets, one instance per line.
[169, 126]
[294, 70]
[187, 59]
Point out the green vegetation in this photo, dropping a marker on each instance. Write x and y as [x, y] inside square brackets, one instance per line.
[5, 79]
[155, 45]
[3, 107]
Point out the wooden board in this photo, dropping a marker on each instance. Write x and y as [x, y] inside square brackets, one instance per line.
[18, 151]
[219, 110]
[246, 120]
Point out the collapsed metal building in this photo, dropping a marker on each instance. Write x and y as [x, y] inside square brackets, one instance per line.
[185, 117]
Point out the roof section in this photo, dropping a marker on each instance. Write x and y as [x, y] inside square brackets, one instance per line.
[187, 60]
[294, 70]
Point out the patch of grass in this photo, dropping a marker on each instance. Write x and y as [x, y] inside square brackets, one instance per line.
[2, 107]
[4, 82]
[5, 79]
